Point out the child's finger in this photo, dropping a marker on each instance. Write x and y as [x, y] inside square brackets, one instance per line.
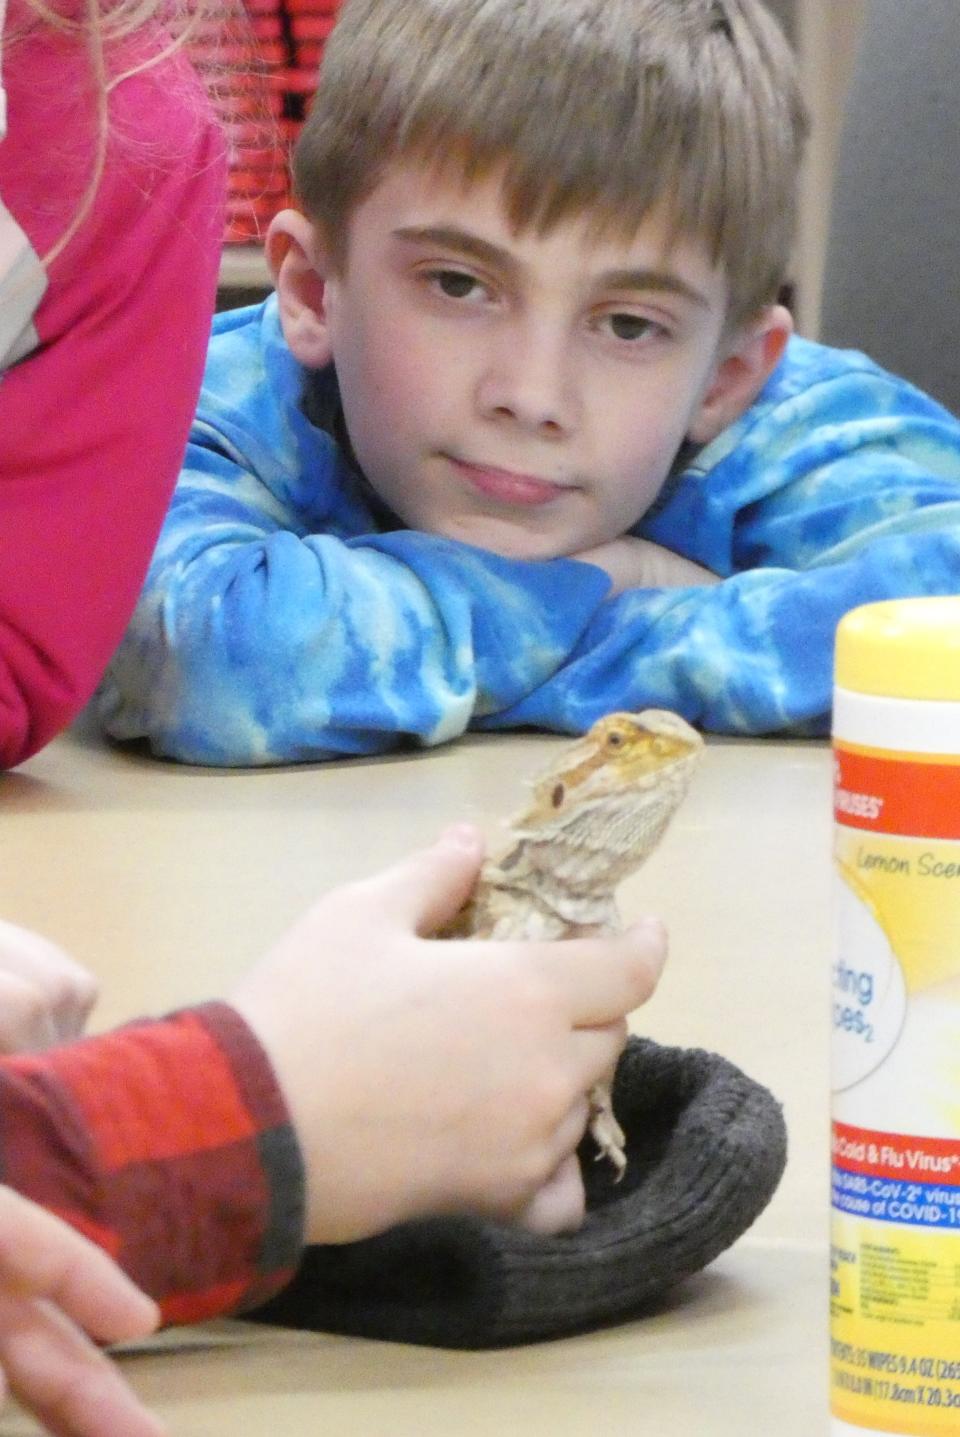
[45, 996]
[32, 956]
[560, 1205]
[26, 1021]
[42, 1257]
[60, 1376]
[605, 978]
[596, 1053]
[429, 888]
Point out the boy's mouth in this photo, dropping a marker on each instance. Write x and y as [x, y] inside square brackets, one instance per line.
[505, 486]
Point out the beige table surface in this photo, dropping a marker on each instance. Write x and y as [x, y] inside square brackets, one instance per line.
[167, 881]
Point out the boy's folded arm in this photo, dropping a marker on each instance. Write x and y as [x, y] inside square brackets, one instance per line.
[254, 643]
[833, 448]
[753, 654]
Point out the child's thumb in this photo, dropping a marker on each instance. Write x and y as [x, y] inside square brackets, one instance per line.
[430, 888]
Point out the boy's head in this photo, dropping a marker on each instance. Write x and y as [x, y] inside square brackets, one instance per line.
[519, 158]
[602, 108]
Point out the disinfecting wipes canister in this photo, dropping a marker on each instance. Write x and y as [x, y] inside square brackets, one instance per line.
[895, 1217]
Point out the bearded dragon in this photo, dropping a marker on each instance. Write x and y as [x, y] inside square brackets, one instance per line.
[597, 813]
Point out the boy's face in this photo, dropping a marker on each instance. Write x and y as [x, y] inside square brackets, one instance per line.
[522, 393]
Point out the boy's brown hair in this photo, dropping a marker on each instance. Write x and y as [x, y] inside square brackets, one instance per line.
[599, 107]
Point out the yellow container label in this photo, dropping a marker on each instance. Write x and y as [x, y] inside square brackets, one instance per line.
[895, 1231]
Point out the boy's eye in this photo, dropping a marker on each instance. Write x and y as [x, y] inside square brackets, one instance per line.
[630, 326]
[454, 283]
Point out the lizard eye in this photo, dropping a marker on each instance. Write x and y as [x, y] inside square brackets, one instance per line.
[557, 797]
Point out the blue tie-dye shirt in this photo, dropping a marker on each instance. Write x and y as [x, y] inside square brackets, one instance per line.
[280, 620]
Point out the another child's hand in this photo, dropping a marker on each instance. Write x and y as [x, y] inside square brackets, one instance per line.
[428, 1076]
[57, 1291]
[633, 563]
[45, 997]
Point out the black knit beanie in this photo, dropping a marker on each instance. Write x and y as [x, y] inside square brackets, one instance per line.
[706, 1147]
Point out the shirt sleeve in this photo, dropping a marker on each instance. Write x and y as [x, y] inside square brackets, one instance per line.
[254, 645]
[94, 420]
[168, 1144]
[276, 624]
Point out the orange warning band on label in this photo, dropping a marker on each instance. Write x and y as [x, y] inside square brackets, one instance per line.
[896, 1155]
[918, 797]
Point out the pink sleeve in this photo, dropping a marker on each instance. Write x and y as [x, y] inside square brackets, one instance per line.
[94, 421]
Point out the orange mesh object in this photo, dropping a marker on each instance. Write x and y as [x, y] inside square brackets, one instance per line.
[261, 65]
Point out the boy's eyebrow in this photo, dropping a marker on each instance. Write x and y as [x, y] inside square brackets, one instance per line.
[455, 238]
[657, 279]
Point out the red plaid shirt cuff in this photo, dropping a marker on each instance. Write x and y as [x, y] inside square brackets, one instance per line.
[169, 1144]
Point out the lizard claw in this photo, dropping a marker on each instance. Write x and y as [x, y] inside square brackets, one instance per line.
[607, 1132]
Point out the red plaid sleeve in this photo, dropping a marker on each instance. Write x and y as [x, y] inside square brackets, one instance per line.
[169, 1144]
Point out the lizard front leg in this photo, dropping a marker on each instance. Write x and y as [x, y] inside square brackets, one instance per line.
[603, 1126]
[606, 1131]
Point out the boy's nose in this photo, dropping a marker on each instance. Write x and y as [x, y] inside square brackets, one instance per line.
[527, 379]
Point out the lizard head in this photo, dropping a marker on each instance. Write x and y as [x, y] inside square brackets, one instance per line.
[622, 753]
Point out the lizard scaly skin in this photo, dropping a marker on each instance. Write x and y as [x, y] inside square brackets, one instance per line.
[597, 813]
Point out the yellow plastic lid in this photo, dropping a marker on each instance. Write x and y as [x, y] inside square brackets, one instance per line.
[901, 648]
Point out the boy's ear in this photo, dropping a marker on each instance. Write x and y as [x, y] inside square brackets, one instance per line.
[747, 363]
[296, 262]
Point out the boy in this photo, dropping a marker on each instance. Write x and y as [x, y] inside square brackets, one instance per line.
[523, 437]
